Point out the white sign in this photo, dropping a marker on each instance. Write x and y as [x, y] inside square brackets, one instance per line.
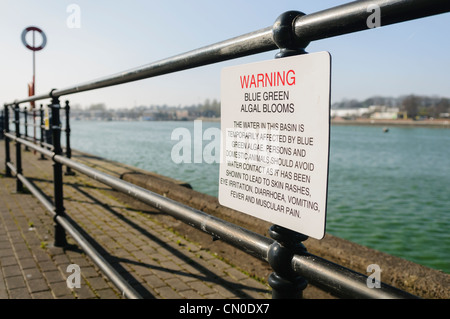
[275, 122]
[46, 119]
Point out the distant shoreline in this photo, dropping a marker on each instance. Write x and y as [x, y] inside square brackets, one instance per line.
[443, 123]
[437, 123]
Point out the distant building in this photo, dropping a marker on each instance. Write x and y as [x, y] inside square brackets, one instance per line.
[349, 113]
[148, 116]
[182, 114]
[384, 113]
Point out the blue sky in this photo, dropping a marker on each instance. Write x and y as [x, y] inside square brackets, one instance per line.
[114, 36]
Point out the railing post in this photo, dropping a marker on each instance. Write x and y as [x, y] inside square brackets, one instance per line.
[7, 150]
[285, 283]
[68, 148]
[41, 126]
[2, 123]
[25, 114]
[60, 233]
[19, 184]
[34, 126]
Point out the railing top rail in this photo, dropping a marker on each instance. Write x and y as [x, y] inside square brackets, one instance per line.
[339, 20]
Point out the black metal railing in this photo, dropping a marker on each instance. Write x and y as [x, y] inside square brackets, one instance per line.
[293, 265]
[44, 137]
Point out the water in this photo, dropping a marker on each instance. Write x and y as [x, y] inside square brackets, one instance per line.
[388, 191]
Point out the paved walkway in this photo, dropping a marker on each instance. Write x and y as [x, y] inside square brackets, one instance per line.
[157, 261]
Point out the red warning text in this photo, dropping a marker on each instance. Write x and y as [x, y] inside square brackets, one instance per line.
[268, 79]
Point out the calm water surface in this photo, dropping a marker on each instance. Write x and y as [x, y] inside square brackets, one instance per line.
[389, 191]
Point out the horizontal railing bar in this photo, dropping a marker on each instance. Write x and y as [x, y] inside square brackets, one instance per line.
[343, 19]
[31, 139]
[47, 204]
[30, 124]
[24, 124]
[352, 17]
[12, 168]
[28, 110]
[252, 243]
[343, 282]
[96, 257]
[248, 44]
[126, 289]
[35, 147]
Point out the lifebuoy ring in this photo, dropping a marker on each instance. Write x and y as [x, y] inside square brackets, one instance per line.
[24, 40]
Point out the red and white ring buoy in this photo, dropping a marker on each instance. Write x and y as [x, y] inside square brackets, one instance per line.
[34, 29]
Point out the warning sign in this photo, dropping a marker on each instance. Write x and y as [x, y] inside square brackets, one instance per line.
[275, 122]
